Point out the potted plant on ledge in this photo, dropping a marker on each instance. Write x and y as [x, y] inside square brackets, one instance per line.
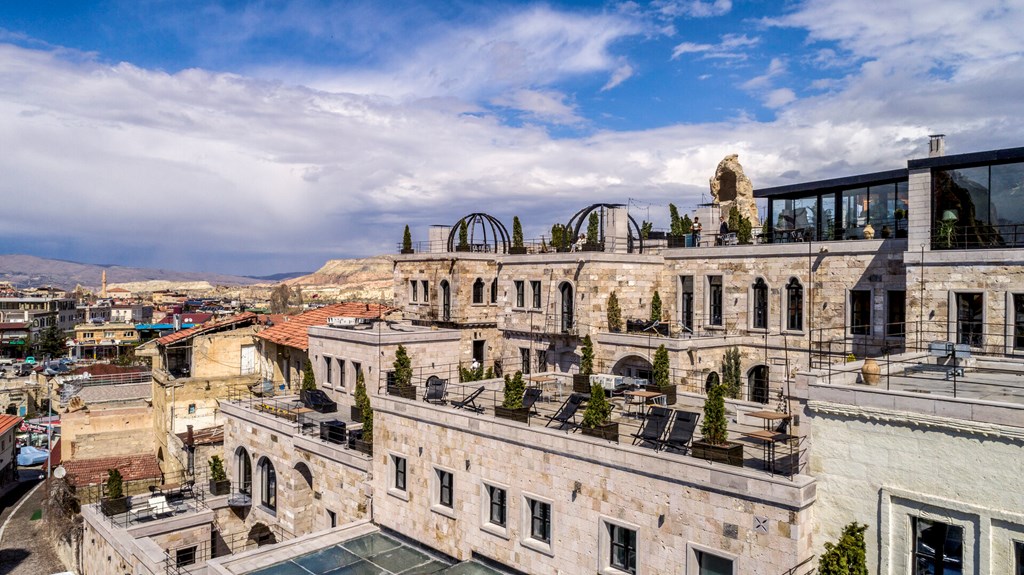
[714, 430]
[115, 502]
[362, 440]
[614, 314]
[662, 377]
[219, 484]
[403, 386]
[463, 245]
[597, 417]
[517, 238]
[512, 403]
[357, 410]
[407, 241]
[581, 380]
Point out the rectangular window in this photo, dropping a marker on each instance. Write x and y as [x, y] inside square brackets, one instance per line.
[709, 564]
[1018, 321]
[535, 289]
[540, 520]
[794, 305]
[1018, 555]
[494, 290]
[542, 360]
[426, 291]
[622, 548]
[414, 291]
[524, 360]
[327, 375]
[860, 312]
[357, 368]
[686, 304]
[520, 293]
[332, 518]
[341, 373]
[938, 547]
[896, 313]
[185, 557]
[399, 465]
[498, 506]
[715, 300]
[969, 314]
[445, 486]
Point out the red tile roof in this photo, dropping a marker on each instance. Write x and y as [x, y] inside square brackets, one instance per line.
[235, 320]
[205, 436]
[7, 422]
[94, 471]
[294, 331]
[14, 325]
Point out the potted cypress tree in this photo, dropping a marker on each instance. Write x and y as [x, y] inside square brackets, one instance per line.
[581, 380]
[403, 386]
[731, 372]
[219, 484]
[848, 556]
[115, 501]
[593, 243]
[357, 409]
[662, 376]
[363, 440]
[597, 417]
[714, 430]
[407, 241]
[614, 314]
[517, 238]
[676, 234]
[463, 237]
[512, 403]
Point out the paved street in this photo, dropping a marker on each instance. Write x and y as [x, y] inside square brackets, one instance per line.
[24, 549]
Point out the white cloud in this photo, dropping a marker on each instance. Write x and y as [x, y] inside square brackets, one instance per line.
[621, 74]
[730, 48]
[692, 8]
[779, 98]
[776, 67]
[543, 105]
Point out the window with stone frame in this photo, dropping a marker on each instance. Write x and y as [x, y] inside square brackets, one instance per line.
[1018, 321]
[535, 292]
[426, 290]
[341, 373]
[497, 505]
[860, 312]
[621, 548]
[896, 313]
[794, 305]
[268, 484]
[686, 303]
[478, 291]
[414, 291]
[1018, 557]
[540, 520]
[970, 312]
[711, 564]
[185, 556]
[542, 360]
[494, 290]
[937, 547]
[715, 300]
[759, 292]
[520, 286]
[445, 488]
[398, 464]
[524, 360]
[327, 370]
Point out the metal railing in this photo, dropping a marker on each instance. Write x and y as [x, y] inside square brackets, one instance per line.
[976, 237]
[192, 557]
[184, 493]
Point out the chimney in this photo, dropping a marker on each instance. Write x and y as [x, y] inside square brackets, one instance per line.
[936, 145]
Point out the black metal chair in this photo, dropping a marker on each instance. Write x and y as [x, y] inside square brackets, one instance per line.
[318, 401]
[470, 401]
[566, 414]
[680, 433]
[653, 427]
[437, 390]
[530, 397]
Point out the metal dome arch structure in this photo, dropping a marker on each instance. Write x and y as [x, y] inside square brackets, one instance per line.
[485, 234]
[581, 219]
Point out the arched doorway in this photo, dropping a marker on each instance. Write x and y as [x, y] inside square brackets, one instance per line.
[260, 535]
[267, 483]
[302, 499]
[446, 301]
[568, 307]
[634, 366]
[711, 381]
[757, 384]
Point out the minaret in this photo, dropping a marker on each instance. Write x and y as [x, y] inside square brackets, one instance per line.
[103, 289]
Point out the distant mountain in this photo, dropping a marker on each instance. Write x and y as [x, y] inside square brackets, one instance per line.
[280, 277]
[364, 279]
[29, 271]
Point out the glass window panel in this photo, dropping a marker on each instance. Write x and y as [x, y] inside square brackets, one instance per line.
[1007, 203]
[881, 205]
[828, 217]
[855, 212]
[1018, 321]
[960, 204]
[969, 314]
[860, 312]
[708, 564]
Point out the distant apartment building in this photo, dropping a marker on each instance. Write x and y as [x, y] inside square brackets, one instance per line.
[103, 340]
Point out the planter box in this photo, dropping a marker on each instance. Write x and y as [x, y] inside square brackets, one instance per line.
[581, 383]
[363, 446]
[356, 414]
[408, 251]
[670, 393]
[679, 241]
[517, 251]
[589, 247]
[608, 431]
[463, 249]
[730, 453]
[521, 414]
[117, 506]
[221, 487]
[407, 392]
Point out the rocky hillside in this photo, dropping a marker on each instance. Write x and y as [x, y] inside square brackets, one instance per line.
[354, 279]
[32, 271]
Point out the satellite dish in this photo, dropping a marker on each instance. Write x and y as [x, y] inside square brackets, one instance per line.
[59, 472]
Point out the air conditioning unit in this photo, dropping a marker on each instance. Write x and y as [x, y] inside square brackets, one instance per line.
[345, 321]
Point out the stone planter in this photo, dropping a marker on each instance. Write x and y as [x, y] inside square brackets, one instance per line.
[581, 383]
[463, 249]
[407, 392]
[608, 431]
[677, 241]
[514, 251]
[730, 453]
[111, 507]
[521, 414]
[356, 414]
[870, 373]
[363, 446]
[408, 251]
[220, 487]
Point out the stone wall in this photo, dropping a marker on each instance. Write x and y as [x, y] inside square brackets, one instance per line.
[220, 354]
[676, 504]
[460, 271]
[106, 431]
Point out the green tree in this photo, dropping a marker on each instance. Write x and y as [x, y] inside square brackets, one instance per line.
[513, 392]
[51, 342]
[587, 357]
[407, 240]
[599, 409]
[463, 235]
[656, 306]
[675, 224]
[715, 428]
[661, 368]
[686, 224]
[614, 313]
[308, 379]
[848, 556]
[403, 367]
[593, 229]
[115, 484]
[745, 235]
[734, 218]
[558, 239]
[517, 233]
[363, 403]
[731, 372]
[645, 229]
[217, 469]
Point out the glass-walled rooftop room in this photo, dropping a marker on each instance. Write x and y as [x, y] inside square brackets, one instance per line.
[978, 207]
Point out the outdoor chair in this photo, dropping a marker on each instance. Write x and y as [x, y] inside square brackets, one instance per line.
[530, 397]
[437, 390]
[158, 506]
[680, 433]
[470, 401]
[567, 412]
[318, 401]
[654, 425]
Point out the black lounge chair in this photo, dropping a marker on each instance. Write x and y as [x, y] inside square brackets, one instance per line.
[567, 412]
[318, 401]
[436, 390]
[654, 426]
[680, 433]
[530, 397]
[470, 401]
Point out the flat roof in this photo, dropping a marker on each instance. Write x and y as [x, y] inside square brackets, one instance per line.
[834, 184]
[969, 159]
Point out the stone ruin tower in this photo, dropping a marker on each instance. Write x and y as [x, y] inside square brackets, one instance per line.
[731, 187]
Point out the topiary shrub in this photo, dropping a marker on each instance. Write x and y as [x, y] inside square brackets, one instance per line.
[217, 472]
[403, 368]
[115, 484]
[593, 229]
[731, 374]
[587, 357]
[463, 236]
[599, 409]
[714, 429]
[614, 313]
[513, 392]
[656, 307]
[363, 403]
[407, 241]
[517, 233]
[848, 556]
[308, 379]
[661, 368]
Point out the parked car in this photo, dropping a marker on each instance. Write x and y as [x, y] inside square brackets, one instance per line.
[29, 456]
[30, 360]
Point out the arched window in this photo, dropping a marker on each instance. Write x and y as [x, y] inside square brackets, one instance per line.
[760, 304]
[446, 301]
[478, 291]
[794, 305]
[711, 381]
[243, 467]
[268, 483]
[494, 290]
[757, 384]
[568, 307]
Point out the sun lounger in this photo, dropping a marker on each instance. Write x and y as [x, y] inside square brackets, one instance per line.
[470, 401]
[566, 414]
[654, 425]
[436, 390]
[681, 431]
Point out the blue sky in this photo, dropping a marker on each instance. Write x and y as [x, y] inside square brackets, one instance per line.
[258, 137]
